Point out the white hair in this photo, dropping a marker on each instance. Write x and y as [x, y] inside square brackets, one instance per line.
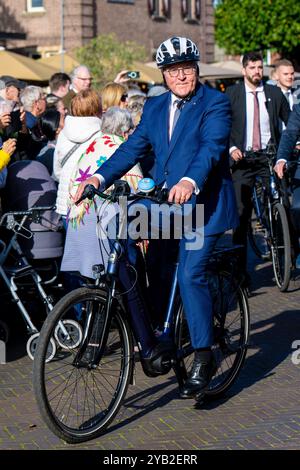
[116, 121]
[75, 72]
[29, 95]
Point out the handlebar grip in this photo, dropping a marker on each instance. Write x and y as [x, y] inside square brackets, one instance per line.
[162, 195]
[88, 193]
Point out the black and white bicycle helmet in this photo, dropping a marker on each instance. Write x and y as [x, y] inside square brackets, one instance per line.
[175, 50]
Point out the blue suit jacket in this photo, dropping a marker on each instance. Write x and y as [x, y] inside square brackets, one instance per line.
[290, 135]
[198, 149]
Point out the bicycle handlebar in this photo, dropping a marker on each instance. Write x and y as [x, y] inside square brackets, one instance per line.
[291, 164]
[260, 155]
[159, 195]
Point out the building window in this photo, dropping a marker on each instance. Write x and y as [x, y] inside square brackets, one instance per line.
[159, 9]
[35, 5]
[120, 1]
[191, 10]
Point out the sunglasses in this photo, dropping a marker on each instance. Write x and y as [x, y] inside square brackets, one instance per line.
[124, 98]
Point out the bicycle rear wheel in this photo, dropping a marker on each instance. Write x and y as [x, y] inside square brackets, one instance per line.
[281, 247]
[78, 400]
[231, 332]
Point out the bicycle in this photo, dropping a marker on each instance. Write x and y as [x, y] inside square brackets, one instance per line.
[18, 271]
[80, 391]
[290, 180]
[268, 229]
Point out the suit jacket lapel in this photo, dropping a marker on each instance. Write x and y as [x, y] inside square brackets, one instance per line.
[184, 118]
[274, 121]
[164, 122]
[268, 103]
[242, 112]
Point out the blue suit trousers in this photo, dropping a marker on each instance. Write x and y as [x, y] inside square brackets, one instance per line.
[193, 284]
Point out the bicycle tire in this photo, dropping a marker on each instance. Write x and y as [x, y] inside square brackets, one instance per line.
[230, 347]
[78, 402]
[281, 247]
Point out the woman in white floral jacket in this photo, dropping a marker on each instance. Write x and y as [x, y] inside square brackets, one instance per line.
[82, 248]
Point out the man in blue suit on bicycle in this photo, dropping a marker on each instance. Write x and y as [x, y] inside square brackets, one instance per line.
[188, 129]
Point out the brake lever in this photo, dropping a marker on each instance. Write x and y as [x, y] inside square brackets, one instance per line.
[88, 193]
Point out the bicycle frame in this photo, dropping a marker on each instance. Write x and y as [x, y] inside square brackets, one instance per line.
[148, 345]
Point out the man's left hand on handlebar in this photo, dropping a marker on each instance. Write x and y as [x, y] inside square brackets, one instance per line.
[93, 180]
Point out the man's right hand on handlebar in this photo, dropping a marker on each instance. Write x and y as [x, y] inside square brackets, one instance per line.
[280, 168]
[92, 180]
[237, 155]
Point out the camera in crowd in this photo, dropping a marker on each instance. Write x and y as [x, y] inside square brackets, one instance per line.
[133, 75]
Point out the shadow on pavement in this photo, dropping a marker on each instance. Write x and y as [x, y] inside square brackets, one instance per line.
[272, 339]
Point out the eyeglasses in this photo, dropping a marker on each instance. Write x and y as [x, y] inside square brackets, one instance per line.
[87, 78]
[124, 98]
[185, 70]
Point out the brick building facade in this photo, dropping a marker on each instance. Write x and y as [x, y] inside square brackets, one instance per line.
[146, 22]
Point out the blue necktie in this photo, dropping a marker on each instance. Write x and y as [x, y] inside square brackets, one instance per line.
[176, 114]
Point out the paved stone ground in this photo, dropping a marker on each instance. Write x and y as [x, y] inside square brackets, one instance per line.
[261, 410]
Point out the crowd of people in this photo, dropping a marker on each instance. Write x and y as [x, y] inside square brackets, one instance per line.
[189, 137]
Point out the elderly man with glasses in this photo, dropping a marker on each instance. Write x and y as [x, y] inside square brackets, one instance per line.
[188, 129]
[81, 79]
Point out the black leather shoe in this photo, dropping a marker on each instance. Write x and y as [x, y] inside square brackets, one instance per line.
[199, 378]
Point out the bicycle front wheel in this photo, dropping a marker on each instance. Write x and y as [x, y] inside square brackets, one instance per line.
[77, 397]
[281, 247]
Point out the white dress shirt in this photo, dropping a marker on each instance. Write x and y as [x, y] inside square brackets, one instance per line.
[173, 106]
[289, 96]
[264, 120]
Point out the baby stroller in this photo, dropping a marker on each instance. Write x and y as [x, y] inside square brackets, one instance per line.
[32, 242]
[29, 184]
